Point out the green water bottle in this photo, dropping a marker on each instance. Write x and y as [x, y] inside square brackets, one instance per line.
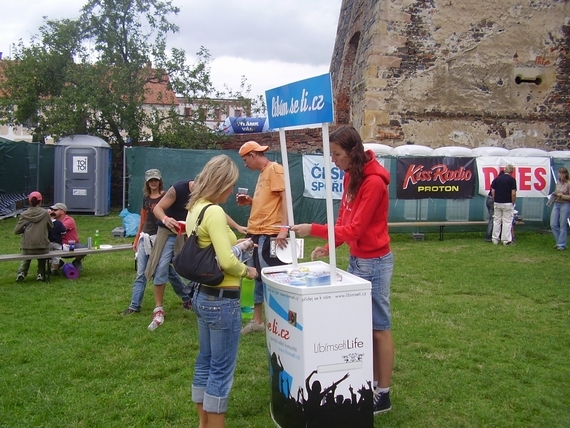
[247, 298]
[96, 240]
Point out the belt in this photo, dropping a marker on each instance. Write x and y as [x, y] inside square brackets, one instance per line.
[219, 292]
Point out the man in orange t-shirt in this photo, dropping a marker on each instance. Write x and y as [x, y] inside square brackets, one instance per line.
[268, 209]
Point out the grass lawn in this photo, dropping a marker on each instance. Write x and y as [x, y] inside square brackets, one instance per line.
[482, 338]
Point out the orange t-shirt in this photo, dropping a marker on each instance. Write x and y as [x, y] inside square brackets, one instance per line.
[266, 210]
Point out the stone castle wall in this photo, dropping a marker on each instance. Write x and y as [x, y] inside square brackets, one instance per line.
[455, 72]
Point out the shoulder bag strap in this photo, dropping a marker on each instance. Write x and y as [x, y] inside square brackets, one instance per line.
[199, 220]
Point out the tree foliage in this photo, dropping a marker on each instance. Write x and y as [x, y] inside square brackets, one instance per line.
[94, 76]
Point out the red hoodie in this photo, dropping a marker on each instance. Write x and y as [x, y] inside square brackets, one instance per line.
[363, 222]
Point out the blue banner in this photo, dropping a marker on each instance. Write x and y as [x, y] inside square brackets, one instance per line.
[305, 102]
[244, 125]
[314, 176]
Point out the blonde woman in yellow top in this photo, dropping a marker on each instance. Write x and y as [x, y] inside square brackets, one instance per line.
[218, 308]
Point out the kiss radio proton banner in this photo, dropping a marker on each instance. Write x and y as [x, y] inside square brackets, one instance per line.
[435, 177]
[532, 174]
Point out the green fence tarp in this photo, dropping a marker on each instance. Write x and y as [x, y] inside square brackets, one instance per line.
[176, 164]
[179, 164]
[25, 167]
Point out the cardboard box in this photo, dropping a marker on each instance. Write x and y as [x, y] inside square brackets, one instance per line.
[118, 232]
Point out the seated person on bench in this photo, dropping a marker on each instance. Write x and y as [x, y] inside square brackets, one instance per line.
[59, 212]
[55, 240]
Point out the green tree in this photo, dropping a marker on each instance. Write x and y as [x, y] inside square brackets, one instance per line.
[92, 76]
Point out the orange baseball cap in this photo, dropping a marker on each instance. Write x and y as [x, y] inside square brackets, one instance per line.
[251, 146]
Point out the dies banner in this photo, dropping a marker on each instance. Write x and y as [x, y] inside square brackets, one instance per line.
[531, 173]
[435, 177]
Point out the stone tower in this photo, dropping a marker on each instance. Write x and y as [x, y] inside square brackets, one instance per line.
[455, 72]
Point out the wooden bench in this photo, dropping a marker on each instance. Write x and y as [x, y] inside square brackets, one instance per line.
[440, 224]
[64, 254]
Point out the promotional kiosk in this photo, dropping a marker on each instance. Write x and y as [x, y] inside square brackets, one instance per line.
[318, 318]
[319, 341]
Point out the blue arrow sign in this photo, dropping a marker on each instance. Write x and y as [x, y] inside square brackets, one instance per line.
[305, 102]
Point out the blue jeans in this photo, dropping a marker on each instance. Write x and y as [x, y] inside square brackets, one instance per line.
[379, 272]
[164, 271]
[219, 326]
[559, 222]
[140, 281]
[259, 285]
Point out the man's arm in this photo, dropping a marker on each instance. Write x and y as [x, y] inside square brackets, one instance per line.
[514, 191]
[165, 203]
[68, 223]
[282, 236]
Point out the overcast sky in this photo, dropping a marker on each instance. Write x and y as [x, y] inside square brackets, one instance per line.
[271, 42]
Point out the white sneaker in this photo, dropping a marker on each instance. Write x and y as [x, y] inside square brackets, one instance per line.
[251, 327]
[157, 318]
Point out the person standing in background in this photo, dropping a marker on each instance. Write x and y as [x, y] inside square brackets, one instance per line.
[34, 225]
[169, 211]
[268, 208]
[504, 192]
[561, 209]
[153, 191]
[490, 203]
[363, 224]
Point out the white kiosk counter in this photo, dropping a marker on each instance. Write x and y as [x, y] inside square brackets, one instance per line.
[319, 342]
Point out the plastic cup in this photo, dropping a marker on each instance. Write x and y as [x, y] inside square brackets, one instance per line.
[181, 227]
[241, 194]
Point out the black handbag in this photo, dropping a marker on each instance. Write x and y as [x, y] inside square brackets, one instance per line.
[195, 263]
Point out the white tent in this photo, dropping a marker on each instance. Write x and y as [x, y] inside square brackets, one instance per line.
[528, 152]
[452, 151]
[412, 150]
[379, 149]
[489, 151]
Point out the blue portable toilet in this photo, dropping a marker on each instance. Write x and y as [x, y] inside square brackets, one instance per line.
[82, 176]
